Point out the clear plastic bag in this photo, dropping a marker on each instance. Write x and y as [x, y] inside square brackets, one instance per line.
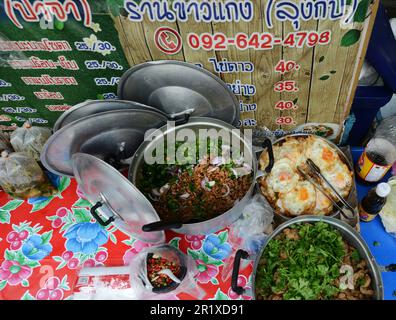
[250, 231]
[5, 143]
[135, 282]
[30, 139]
[22, 178]
[254, 224]
[387, 130]
[158, 265]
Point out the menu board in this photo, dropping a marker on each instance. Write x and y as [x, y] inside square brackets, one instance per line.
[291, 63]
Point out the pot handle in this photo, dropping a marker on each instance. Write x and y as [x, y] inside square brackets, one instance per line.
[267, 144]
[97, 217]
[161, 226]
[240, 254]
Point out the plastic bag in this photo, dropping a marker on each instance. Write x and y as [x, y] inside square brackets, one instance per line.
[5, 143]
[254, 224]
[369, 76]
[250, 231]
[162, 272]
[30, 139]
[155, 273]
[22, 178]
[388, 212]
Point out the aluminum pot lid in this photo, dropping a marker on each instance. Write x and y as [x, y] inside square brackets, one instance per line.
[116, 197]
[174, 87]
[112, 136]
[91, 107]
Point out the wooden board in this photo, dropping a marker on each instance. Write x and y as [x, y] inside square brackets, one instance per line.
[326, 76]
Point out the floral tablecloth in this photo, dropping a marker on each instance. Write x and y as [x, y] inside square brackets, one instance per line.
[45, 241]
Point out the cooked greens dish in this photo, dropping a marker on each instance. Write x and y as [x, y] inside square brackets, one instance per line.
[312, 262]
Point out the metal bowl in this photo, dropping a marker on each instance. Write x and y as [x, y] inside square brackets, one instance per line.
[195, 124]
[344, 158]
[348, 233]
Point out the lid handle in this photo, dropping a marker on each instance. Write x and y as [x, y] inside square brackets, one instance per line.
[161, 225]
[97, 217]
[181, 117]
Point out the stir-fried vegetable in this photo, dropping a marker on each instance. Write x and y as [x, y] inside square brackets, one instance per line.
[308, 261]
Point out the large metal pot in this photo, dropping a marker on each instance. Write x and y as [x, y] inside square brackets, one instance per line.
[268, 146]
[348, 233]
[195, 124]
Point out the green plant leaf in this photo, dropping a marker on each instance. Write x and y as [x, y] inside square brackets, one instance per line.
[3, 284]
[114, 9]
[25, 283]
[41, 205]
[81, 215]
[325, 77]
[214, 281]
[57, 258]
[4, 216]
[63, 285]
[31, 263]
[59, 25]
[220, 296]
[61, 265]
[46, 237]
[321, 59]
[12, 205]
[350, 38]
[175, 242]
[214, 262]
[361, 11]
[64, 183]
[9, 255]
[113, 238]
[27, 296]
[333, 72]
[20, 258]
[82, 203]
[223, 236]
[66, 226]
[193, 254]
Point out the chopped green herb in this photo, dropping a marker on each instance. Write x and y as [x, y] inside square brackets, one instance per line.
[355, 256]
[376, 244]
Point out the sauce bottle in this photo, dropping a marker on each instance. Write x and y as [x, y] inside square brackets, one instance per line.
[380, 153]
[373, 202]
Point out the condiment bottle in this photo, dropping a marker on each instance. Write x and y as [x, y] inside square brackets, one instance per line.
[380, 152]
[373, 202]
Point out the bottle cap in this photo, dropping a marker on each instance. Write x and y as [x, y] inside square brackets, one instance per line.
[383, 189]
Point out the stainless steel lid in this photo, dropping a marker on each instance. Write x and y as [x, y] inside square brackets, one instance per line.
[118, 198]
[175, 86]
[111, 136]
[91, 107]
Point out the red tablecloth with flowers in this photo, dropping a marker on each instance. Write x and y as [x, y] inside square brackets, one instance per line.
[45, 241]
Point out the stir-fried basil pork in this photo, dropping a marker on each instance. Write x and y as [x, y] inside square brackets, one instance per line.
[200, 189]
